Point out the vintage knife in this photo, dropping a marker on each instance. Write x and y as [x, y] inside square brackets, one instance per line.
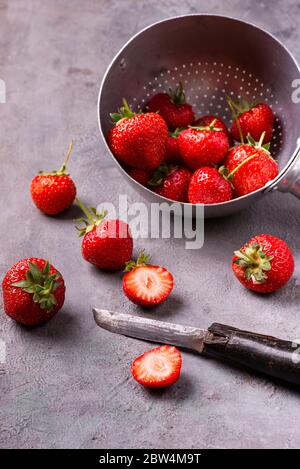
[265, 354]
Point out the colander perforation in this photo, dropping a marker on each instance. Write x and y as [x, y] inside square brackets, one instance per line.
[206, 86]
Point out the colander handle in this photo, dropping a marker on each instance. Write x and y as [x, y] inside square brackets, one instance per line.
[290, 181]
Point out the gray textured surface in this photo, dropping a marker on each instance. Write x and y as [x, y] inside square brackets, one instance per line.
[67, 384]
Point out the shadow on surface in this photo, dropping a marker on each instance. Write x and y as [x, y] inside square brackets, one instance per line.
[254, 378]
[182, 390]
[60, 328]
[165, 310]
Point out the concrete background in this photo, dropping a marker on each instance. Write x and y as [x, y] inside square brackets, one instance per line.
[68, 384]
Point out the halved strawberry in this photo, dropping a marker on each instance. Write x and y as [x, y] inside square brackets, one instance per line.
[157, 368]
[146, 285]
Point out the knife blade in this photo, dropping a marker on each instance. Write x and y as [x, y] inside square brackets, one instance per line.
[151, 330]
[265, 354]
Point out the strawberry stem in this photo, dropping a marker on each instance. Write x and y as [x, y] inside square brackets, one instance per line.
[177, 96]
[261, 139]
[125, 112]
[94, 218]
[85, 210]
[235, 117]
[63, 168]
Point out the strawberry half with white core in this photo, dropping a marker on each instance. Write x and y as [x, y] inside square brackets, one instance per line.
[264, 264]
[106, 244]
[203, 146]
[158, 368]
[249, 166]
[173, 108]
[251, 118]
[146, 285]
[138, 140]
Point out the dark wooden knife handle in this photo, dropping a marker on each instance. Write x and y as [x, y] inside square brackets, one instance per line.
[275, 357]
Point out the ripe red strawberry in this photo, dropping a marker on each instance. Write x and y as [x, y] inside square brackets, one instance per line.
[138, 140]
[253, 119]
[172, 155]
[250, 166]
[206, 121]
[146, 285]
[173, 108]
[203, 146]
[33, 291]
[264, 264]
[207, 186]
[171, 182]
[157, 368]
[53, 192]
[140, 175]
[107, 243]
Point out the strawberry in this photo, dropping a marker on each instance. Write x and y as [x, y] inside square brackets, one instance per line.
[157, 368]
[140, 175]
[253, 119]
[146, 285]
[171, 182]
[250, 166]
[207, 186]
[33, 291]
[206, 121]
[172, 155]
[53, 192]
[107, 243]
[173, 108]
[203, 146]
[264, 264]
[138, 140]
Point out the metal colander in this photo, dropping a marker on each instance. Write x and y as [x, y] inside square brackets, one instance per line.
[213, 56]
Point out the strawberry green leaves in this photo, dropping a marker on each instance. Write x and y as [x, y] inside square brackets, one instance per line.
[211, 127]
[178, 95]
[241, 105]
[160, 173]
[41, 284]
[124, 112]
[258, 144]
[255, 262]
[141, 260]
